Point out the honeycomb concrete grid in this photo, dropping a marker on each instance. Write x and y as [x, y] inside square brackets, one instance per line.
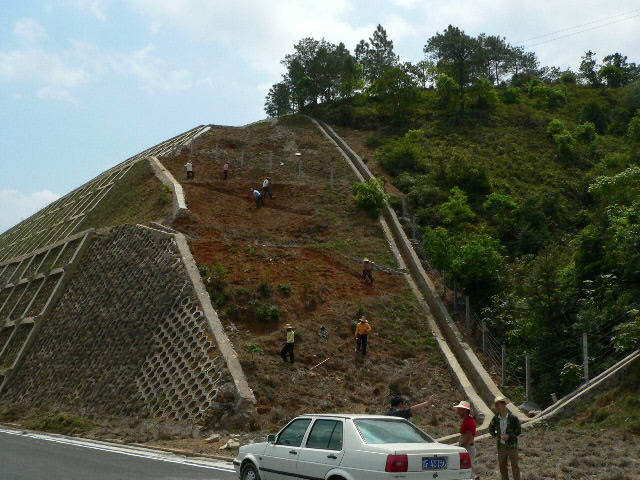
[130, 336]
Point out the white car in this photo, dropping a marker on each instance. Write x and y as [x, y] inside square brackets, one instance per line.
[351, 447]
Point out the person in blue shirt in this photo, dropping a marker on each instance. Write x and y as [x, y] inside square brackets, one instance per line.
[258, 197]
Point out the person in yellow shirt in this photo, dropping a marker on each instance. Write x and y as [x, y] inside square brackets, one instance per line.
[289, 344]
[363, 329]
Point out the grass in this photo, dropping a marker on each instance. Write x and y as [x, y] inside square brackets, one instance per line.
[63, 423]
[139, 197]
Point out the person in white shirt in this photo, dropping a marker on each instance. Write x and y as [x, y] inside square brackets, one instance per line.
[189, 167]
[266, 188]
[258, 197]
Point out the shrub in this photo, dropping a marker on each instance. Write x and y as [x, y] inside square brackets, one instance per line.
[555, 127]
[571, 375]
[568, 77]
[456, 210]
[373, 140]
[400, 155]
[484, 95]
[266, 313]
[447, 89]
[215, 283]
[511, 95]
[633, 132]
[370, 196]
[586, 132]
[285, 289]
[627, 335]
[254, 348]
[556, 96]
[264, 289]
[565, 145]
[594, 113]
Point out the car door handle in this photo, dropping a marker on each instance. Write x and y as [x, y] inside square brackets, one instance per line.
[332, 456]
[293, 452]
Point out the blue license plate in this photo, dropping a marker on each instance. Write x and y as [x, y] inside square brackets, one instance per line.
[434, 463]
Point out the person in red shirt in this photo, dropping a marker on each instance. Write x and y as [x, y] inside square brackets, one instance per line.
[467, 429]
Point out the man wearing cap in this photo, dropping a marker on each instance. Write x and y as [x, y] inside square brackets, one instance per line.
[506, 428]
[367, 269]
[289, 344]
[266, 188]
[363, 329]
[399, 409]
[467, 428]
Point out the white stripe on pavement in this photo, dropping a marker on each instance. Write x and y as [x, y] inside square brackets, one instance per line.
[148, 454]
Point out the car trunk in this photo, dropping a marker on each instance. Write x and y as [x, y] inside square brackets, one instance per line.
[416, 453]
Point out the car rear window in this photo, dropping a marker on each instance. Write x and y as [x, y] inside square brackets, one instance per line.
[376, 431]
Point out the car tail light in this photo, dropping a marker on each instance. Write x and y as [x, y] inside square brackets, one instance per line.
[397, 463]
[465, 460]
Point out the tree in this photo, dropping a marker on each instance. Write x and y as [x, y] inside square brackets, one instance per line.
[455, 54]
[446, 87]
[396, 91]
[484, 95]
[616, 71]
[523, 65]
[370, 196]
[497, 53]
[278, 100]
[589, 69]
[377, 55]
[594, 113]
[634, 128]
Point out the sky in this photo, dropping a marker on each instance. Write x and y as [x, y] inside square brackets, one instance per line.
[85, 84]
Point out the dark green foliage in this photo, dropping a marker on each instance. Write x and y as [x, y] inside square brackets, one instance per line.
[593, 112]
[370, 196]
[588, 69]
[266, 313]
[511, 95]
[568, 78]
[565, 145]
[285, 289]
[555, 127]
[586, 132]
[447, 89]
[264, 289]
[376, 56]
[483, 94]
[400, 155]
[215, 283]
[633, 132]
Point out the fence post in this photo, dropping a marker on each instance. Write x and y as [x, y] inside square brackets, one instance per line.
[467, 312]
[270, 162]
[242, 159]
[503, 377]
[585, 357]
[527, 371]
[404, 207]
[455, 298]
[484, 343]
[193, 145]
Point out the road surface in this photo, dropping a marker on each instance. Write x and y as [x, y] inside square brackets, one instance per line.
[43, 457]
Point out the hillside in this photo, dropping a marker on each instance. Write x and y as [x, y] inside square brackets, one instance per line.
[298, 260]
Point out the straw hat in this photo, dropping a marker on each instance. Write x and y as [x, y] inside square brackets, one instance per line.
[500, 399]
[463, 404]
[365, 259]
[288, 326]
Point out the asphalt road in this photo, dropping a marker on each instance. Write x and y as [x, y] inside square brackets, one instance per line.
[36, 457]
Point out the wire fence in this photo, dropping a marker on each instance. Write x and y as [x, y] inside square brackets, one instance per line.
[587, 352]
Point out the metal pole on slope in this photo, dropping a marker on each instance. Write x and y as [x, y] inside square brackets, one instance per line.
[503, 377]
[527, 370]
[585, 357]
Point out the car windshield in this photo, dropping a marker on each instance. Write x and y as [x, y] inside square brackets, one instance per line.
[378, 430]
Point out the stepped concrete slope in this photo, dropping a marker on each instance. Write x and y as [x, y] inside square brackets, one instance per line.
[114, 322]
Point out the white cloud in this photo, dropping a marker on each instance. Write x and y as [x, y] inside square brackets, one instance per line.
[260, 32]
[29, 31]
[16, 205]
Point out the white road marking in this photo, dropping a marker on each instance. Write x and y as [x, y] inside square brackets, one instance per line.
[150, 455]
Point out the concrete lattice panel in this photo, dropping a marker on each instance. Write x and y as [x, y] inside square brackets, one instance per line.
[131, 336]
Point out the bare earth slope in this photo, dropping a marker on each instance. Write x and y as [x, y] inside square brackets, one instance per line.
[300, 256]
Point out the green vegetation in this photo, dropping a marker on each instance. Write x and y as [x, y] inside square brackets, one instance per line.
[524, 180]
[63, 423]
[139, 197]
[370, 196]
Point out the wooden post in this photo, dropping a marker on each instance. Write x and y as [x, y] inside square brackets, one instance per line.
[585, 357]
[467, 312]
[503, 377]
[527, 371]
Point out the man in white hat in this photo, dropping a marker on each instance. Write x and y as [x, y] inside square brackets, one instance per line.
[467, 428]
[367, 269]
[506, 428]
[290, 341]
[363, 329]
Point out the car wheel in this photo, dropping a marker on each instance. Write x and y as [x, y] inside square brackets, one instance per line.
[250, 472]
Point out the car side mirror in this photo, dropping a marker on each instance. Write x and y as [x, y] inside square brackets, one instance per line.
[271, 438]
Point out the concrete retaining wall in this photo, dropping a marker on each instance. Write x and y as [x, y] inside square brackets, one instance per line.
[179, 202]
[473, 369]
[134, 334]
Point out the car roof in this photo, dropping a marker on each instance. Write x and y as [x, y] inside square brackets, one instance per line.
[344, 415]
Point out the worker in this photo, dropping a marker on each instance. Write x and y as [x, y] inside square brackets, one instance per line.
[290, 341]
[363, 329]
[367, 268]
[258, 197]
[505, 426]
[225, 170]
[467, 428]
[399, 408]
[266, 188]
[189, 167]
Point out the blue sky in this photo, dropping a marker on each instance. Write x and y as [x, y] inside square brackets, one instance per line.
[85, 84]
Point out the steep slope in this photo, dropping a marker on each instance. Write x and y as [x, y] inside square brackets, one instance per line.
[298, 260]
